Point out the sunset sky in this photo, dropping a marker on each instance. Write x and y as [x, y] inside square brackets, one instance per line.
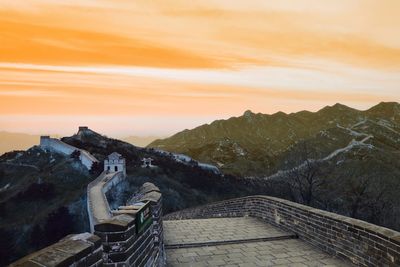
[141, 67]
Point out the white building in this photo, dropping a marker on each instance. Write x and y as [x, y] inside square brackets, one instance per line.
[115, 163]
[147, 163]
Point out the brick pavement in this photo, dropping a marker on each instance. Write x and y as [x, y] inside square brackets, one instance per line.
[286, 252]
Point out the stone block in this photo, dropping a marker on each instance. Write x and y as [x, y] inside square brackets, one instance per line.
[118, 223]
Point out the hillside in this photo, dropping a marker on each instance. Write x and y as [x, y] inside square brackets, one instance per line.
[184, 182]
[43, 194]
[257, 145]
[41, 198]
[338, 159]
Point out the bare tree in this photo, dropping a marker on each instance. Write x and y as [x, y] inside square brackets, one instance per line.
[356, 193]
[304, 178]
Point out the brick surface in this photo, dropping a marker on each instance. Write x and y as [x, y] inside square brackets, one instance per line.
[359, 242]
[192, 231]
[287, 252]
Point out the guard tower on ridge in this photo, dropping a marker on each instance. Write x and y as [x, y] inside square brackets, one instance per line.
[115, 163]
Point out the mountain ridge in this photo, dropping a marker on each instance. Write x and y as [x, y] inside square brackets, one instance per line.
[269, 135]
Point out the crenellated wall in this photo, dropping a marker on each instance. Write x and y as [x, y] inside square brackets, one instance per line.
[130, 236]
[362, 243]
[130, 239]
[97, 204]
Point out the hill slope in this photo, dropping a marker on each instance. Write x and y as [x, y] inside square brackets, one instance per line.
[43, 194]
[257, 145]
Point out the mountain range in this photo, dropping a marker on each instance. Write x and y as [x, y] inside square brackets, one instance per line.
[337, 159]
[259, 145]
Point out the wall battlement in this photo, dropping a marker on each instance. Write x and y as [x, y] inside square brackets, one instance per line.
[362, 243]
[124, 239]
[73, 250]
[56, 145]
[133, 236]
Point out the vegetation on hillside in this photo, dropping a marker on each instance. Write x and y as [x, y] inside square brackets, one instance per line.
[338, 159]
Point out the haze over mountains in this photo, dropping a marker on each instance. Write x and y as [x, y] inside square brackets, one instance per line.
[21, 141]
[16, 141]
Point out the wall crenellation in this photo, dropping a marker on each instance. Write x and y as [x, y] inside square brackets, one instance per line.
[73, 250]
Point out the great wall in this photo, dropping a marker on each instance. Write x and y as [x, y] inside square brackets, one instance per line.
[247, 231]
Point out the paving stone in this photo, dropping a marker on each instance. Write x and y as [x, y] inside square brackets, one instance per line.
[288, 252]
[281, 261]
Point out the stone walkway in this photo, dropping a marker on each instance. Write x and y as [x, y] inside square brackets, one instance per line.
[244, 241]
[98, 204]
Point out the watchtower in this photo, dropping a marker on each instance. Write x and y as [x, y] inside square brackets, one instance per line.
[115, 163]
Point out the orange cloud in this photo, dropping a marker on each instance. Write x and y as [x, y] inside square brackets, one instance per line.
[200, 58]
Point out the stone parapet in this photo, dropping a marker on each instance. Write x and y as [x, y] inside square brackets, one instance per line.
[362, 243]
[53, 144]
[74, 250]
[132, 236]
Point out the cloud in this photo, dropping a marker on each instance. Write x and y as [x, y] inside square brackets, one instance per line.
[174, 59]
[311, 75]
[205, 34]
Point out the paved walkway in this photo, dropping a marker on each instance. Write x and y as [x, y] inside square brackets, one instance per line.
[243, 241]
[98, 204]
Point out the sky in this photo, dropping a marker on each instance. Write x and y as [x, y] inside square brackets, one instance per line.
[142, 67]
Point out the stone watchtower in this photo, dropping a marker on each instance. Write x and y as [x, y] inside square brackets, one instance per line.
[115, 163]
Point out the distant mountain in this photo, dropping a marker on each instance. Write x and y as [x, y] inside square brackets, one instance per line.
[258, 145]
[140, 141]
[16, 141]
[338, 159]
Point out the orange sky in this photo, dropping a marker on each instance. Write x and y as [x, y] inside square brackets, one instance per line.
[156, 67]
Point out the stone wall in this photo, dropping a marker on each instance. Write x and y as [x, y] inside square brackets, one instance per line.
[123, 243]
[73, 250]
[362, 243]
[53, 144]
[97, 204]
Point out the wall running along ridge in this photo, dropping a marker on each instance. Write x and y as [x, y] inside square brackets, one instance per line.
[117, 240]
[362, 243]
[59, 146]
[97, 204]
[123, 244]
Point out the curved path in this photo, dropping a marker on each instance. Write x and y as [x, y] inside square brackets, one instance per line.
[98, 205]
